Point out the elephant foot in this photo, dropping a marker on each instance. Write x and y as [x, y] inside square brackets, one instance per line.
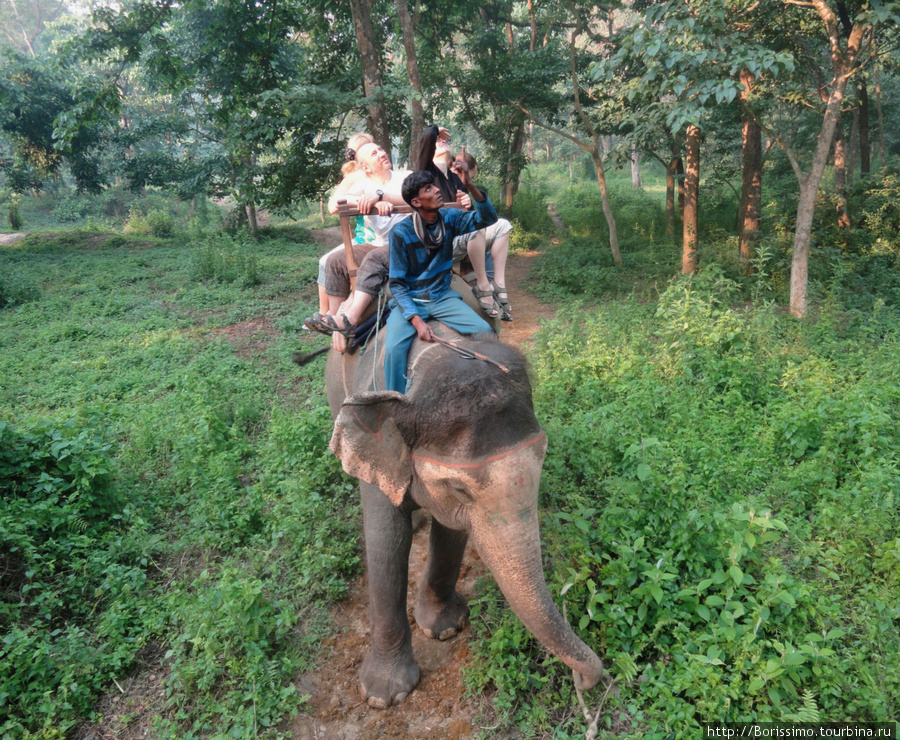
[441, 620]
[383, 683]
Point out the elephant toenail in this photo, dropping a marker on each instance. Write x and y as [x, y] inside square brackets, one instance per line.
[377, 703]
[400, 697]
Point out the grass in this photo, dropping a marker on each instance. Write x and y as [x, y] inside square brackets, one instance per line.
[720, 491]
[719, 496]
[146, 354]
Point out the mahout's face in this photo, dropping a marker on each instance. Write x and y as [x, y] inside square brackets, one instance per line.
[430, 198]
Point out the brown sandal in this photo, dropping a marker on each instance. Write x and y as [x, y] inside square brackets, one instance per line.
[489, 307]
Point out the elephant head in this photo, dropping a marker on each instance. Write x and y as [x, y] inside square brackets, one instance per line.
[464, 443]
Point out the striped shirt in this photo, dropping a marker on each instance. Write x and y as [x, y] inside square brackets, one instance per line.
[421, 275]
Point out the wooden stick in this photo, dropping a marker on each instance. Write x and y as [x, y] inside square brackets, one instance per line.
[470, 353]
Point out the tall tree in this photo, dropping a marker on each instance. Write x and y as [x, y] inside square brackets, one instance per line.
[751, 174]
[689, 254]
[372, 84]
[845, 53]
[408, 32]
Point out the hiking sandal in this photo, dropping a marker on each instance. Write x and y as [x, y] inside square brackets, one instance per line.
[489, 307]
[326, 324]
[502, 297]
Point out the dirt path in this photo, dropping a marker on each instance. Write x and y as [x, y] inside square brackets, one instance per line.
[437, 709]
[7, 239]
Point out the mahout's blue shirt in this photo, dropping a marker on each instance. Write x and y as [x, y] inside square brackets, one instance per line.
[419, 274]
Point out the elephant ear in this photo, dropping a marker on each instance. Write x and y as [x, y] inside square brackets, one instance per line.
[370, 445]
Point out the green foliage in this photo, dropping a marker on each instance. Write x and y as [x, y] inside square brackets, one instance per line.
[14, 216]
[61, 534]
[156, 223]
[725, 520]
[17, 288]
[226, 259]
[530, 208]
[209, 519]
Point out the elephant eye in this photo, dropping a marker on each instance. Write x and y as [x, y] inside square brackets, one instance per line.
[460, 492]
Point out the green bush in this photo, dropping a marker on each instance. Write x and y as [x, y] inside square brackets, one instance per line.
[224, 258]
[17, 288]
[530, 209]
[156, 223]
[63, 562]
[724, 530]
[15, 215]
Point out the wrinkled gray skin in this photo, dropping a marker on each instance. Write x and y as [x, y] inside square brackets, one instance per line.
[465, 445]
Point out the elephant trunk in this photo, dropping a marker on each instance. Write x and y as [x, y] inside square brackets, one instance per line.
[509, 543]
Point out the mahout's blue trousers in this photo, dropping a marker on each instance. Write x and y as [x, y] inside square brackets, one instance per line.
[448, 309]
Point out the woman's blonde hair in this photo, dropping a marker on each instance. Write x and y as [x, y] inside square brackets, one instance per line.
[354, 144]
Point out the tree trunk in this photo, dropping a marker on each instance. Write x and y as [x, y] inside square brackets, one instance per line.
[636, 170]
[514, 168]
[607, 209]
[751, 178]
[865, 161]
[843, 62]
[417, 115]
[840, 178]
[251, 219]
[880, 110]
[670, 195]
[853, 148]
[679, 176]
[689, 256]
[361, 10]
[809, 187]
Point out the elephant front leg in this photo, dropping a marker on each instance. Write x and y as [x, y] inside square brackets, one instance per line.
[441, 612]
[389, 672]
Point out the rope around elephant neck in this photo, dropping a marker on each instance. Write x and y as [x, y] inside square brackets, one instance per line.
[382, 303]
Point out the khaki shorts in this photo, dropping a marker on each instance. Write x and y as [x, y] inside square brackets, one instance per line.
[491, 234]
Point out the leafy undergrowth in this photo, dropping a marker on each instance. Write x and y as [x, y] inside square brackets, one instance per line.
[158, 488]
[723, 489]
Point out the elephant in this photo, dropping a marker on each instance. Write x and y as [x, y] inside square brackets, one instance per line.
[464, 444]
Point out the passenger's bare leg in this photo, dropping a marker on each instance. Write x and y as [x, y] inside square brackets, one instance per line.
[476, 249]
[353, 310]
[334, 303]
[500, 251]
[323, 300]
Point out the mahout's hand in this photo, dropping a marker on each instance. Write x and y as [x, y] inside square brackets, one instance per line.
[422, 329]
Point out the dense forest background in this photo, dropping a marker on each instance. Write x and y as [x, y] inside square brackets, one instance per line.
[720, 391]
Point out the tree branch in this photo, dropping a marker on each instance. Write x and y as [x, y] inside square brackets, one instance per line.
[553, 129]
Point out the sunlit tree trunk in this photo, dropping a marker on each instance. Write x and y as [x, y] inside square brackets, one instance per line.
[865, 161]
[840, 178]
[417, 115]
[361, 10]
[671, 168]
[636, 182]
[689, 255]
[751, 178]
[843, 64]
